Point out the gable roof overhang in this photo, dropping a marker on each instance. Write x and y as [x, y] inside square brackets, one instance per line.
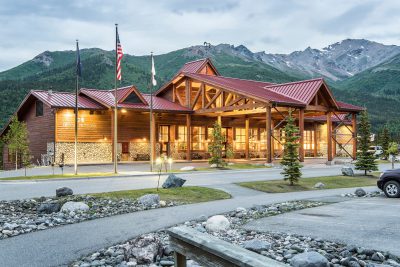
[246, 88]
[190, 67]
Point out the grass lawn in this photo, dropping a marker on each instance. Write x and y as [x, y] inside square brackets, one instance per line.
[236, 166]
[188, 194]
[59, 176]
[307, 184]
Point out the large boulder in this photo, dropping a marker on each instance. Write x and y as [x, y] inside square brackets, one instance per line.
[144, 249]
[149, 200]
[360, 192]
[309, 259]
[217, 223]
[64, 191]
[47, 208]
[319, 185]
[347, 171]
[257, 245]
[74, 206]
[173, 181]
[188, 168]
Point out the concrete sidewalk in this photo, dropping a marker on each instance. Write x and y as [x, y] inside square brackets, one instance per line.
[61, 245]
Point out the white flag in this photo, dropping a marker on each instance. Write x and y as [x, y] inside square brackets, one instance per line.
[153, 72]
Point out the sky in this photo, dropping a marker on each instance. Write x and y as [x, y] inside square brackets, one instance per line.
[275, 26]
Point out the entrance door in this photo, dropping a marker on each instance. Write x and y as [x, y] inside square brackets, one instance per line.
[309, 142]
[163, 139]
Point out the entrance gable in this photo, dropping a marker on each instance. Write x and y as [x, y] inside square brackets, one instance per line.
[322, 98]
[132, 96]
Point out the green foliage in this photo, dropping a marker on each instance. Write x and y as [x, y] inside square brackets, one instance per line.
[393, 149]
[365, 159]
[17, 142]
[385, 139]
[216, 145]
[290, 161]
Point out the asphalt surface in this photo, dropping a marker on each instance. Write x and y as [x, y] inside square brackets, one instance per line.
[62, 245]
[372, 223]
[26, 189]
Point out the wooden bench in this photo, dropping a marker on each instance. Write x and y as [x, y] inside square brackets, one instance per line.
[210, 251]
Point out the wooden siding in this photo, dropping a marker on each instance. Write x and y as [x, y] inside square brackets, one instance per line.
[93, 126]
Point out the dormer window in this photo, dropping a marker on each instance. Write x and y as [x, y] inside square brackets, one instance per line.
[39, 108]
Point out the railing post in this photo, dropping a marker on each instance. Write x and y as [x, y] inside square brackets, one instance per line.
[180, 260]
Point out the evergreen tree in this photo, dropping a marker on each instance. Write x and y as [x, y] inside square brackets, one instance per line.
[385, 138]
[17, 143]
[290, 161]
[216, 146]
[365, 159]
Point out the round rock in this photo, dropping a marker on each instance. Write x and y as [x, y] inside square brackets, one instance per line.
[360, 192]
[74, 206]
[64, 191]
[257, 245]
[309, 259]
[217, 223]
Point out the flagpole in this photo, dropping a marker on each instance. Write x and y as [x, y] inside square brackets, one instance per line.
[76, 110]
[116, 104]
[151, 120]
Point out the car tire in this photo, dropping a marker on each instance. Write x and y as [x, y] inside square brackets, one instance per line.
[392, 189]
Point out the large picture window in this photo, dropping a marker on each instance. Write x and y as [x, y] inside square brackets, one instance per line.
[182, 137]
[163, 133]
[240, 139]
[199, 138]
[39, 108]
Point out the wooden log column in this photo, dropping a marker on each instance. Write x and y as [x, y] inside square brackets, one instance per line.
[354, 128]
[301, 133]
[219, 120]
[268, 131]
[188, 137]
[247, 145]
[329, 134]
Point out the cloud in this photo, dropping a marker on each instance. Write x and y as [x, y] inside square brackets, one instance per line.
[31, 27]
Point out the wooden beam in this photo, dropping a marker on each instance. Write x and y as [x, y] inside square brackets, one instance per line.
[203, 95]
[188, 137]
[301, 130]
[188, 89]
[247, 107]
[196, 98]
[217, 94]
[228, 98]
[329, 134]
[268, 130]
[315, 140]
[316, 108]
[173, 93]
[247, 144]
[354, 126]
[179, 259]
[180, 100]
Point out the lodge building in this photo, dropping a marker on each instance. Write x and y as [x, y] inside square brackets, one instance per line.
[252, 115]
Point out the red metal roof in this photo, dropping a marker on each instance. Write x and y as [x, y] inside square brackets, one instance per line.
[107, 97]
[60, 99]
[348, 107]
[193, 66]
[302, 91]
[246, 87]
[342, 117]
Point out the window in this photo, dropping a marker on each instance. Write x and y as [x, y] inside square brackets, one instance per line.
[223, 133]
[163, 133]
[182, 135]
[309, 140]
[253, 139]
[39, 108]
[199, 138]
[240, 139]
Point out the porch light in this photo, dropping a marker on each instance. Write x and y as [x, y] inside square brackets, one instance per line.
[123, 110]
[159, 161]
[170, 161]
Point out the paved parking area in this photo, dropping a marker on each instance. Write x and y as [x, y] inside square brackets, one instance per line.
[369, 222]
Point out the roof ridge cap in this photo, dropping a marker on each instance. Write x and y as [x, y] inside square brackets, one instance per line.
[201, 59]
[233, 78]
[301, 81]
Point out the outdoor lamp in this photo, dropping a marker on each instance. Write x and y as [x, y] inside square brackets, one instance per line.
[170, 161]
[159, 161]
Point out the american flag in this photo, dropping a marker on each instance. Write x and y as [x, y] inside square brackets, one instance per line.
[119, 57]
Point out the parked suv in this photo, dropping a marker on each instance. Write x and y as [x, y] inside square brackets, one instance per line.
[376, 150]
[389, 183]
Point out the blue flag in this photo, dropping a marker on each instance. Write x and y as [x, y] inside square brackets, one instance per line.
[78, 61]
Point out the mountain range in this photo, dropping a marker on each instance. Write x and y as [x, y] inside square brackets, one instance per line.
[358, 71]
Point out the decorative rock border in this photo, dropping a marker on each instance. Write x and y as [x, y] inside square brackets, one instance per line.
[153, 249]
[22, 216]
